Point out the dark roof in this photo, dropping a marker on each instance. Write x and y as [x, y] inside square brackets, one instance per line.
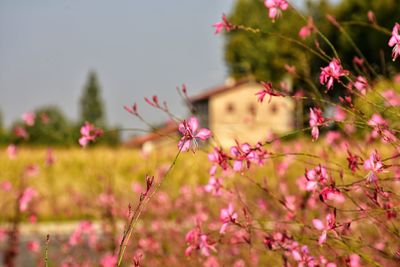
[138, 141]
[217, 90]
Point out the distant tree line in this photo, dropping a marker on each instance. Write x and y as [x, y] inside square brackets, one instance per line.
[52, 127]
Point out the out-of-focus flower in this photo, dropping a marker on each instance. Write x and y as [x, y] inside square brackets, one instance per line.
[20, 132]
[108, 260]
[308, 29]
[329, 225]
[12, 151]
[6, 186]
[214, 186]
[50, 157]
[392, 98]
[224, 24]
[27, 196]
[33, 246]
[89, 133]
[394, 41]
[331, 73]
[371, 17]
[316, 119]
[29, 118]
[276, 7]
[227, 215]
[339, 114]
[361, 84]
[190, 132]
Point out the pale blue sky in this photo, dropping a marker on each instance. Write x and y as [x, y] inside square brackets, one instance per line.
[138, 48]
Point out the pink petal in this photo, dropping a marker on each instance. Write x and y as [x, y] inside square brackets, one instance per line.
[193, 124]
[318, 224]
[322, 238]
[203, 134]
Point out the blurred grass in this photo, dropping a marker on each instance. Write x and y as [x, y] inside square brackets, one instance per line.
[78, 176]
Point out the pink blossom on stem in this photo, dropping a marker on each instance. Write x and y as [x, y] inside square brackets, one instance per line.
[275, 7]
[224, 24]
[316, 119]
[214, 186]
[308, 29]
[29, 118]
[325, 227]
[374, 165]
[227, 215]
[331, 73]
[89, 133]
[190, 132]
[394, 41]
[27, 195]
[267, 90]
[361, 84]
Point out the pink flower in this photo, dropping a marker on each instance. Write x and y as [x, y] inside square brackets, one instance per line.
[29, 118]
[26, 198]
[395, 41]
[331, 73]
[198, 241]
[224, 24]
[316, 120]
[12, 151]
[353, 161]
[267, 90]
[214, 186]
[275, 7]
[340, 114]
[108, 260]
[84, 227]
[218, 158]
[392, 98]
[371, 17]
[21, 132]
[189, 130]
[329, 225]
[33, 246]
[5, 186]
[361, 84]
[374, 165]
[89, 133]
[227, 216]
[50, 157]
[306, 30]
[315, 177]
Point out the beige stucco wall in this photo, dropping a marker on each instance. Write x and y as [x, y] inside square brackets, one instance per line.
[238, 122]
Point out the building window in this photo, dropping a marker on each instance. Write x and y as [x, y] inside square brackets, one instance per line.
[274, 108]
[252, 109]
[230, 108]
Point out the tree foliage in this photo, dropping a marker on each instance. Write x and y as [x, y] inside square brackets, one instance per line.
[264, 55]
[91, 104]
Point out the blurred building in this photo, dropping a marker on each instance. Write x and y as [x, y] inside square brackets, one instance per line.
[232, 112]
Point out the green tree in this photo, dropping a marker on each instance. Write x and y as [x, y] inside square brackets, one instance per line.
[91, 104]
[263, 55]
[51, 128]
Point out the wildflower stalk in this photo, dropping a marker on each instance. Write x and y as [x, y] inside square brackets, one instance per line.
[138, 211]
